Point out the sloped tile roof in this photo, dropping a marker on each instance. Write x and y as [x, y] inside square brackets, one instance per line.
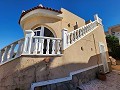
[38, 7]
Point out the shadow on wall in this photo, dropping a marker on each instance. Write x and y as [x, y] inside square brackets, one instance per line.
[16, 75]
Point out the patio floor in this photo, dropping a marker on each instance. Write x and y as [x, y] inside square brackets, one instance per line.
[112, 82]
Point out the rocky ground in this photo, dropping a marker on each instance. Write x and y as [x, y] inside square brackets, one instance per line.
[116, 67]
[112, 83]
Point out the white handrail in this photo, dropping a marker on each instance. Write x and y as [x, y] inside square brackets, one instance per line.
[13, 50]
[75, 35]
[42, 37]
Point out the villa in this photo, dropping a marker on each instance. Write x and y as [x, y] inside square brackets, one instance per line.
[60, 51]
[115, 31]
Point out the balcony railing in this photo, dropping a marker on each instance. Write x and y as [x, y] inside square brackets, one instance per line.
[11, 51]
[38, 45]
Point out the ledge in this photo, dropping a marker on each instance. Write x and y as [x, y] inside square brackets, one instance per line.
[43, 55]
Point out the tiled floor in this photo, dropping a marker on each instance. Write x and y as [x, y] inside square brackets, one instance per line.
[112, 83]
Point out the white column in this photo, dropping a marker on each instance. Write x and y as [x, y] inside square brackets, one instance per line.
[91, 26]
[36, 46]
[58, 46]
[82, 31]
[42, 46]
[39, 46]
[74, 36]
[19, 51]
[79, 33]
[68, 39]
[47, 47]
[12, 50]
[53, 46]
[99, 20]
[1, 53]
[28, 41]
[64, 39]
[5, 57]
[86, 28]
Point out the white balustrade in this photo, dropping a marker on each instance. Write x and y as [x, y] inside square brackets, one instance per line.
[58, 46]
[35, 46]
[53, 46]
[47, 45]
[12, 50]
[1, 55]
[28, 42]
[42, 46]
[75, 35]
[9, 52]
[20, 47]
[65, 38]
[6, 54]
[39, 45]
[99, 20]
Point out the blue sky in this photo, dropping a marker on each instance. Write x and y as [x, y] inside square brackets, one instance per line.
[10, 11]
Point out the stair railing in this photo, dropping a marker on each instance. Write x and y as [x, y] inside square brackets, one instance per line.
[75, 35]
[11, 51]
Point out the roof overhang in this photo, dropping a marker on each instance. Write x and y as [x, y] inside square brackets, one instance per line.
[41, 11]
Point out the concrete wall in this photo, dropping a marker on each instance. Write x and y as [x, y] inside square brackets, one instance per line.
[76, 81]
[23, 71]
[70, 18]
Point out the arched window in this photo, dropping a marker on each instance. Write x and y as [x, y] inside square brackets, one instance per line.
[43, 31]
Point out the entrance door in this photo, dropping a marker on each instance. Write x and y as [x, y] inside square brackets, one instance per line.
[103, 57]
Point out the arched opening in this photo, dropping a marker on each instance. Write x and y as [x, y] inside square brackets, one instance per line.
[45, 32]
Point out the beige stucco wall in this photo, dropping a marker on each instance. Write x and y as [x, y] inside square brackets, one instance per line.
[54, 24]
[70, 18]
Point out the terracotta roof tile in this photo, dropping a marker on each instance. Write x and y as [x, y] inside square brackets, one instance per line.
[38, 7]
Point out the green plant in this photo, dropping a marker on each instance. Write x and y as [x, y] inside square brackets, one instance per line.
[113, 46]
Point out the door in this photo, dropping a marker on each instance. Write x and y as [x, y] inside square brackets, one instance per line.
[103, 57]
